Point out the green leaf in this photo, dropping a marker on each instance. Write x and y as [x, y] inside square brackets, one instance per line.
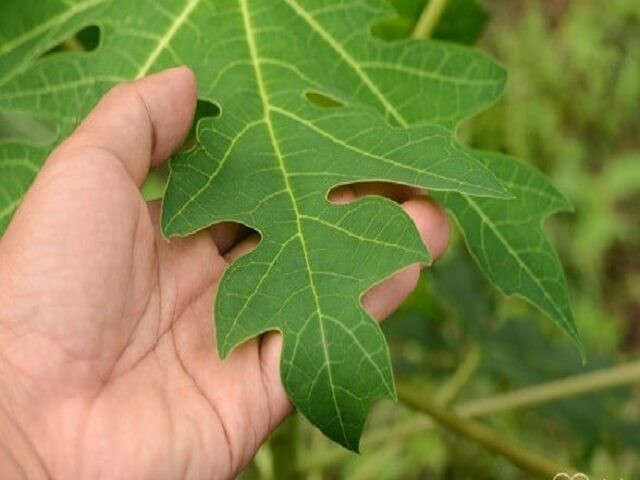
[17, 171]
[273, 155]
[507, 240]
[315, 259]
[25, 128]
[28, 28]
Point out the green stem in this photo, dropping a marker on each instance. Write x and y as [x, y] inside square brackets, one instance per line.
[616, 376]
[461, 376]
[429, 18]
[530, 462]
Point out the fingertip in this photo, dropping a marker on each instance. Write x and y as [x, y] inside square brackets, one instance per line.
[173, 94]
[432, 223]
[242, 248]
[342, 195]
[185, 73]
[181, 78]
[385, 298]
[186, 85]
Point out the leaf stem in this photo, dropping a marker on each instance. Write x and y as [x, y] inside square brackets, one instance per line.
[429, 18]
[529, 461]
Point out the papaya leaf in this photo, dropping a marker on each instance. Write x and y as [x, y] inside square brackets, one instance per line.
[309, 100]
[17, 171]
[507, 241]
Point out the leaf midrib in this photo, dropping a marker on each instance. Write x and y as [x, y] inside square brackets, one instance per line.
[165, 40]
[249, 31]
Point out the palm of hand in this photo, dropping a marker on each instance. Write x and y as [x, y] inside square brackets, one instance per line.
[113, 355]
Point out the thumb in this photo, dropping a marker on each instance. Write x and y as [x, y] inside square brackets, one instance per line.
[139, 123]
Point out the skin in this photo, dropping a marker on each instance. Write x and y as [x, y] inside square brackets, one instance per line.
[108, 368]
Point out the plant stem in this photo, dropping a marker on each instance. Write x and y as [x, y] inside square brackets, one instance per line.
[530, 462]
[429, 18]
[460, 377]
[616, 376]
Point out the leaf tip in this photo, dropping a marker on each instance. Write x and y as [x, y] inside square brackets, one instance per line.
[582, 351]
[574, 335]
[565, 205]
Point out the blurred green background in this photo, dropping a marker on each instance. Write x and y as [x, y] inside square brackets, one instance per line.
[572, 108]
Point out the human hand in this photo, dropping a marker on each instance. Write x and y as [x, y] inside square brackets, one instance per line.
[108, 365]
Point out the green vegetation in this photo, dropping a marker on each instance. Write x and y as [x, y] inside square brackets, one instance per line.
[487, 389]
